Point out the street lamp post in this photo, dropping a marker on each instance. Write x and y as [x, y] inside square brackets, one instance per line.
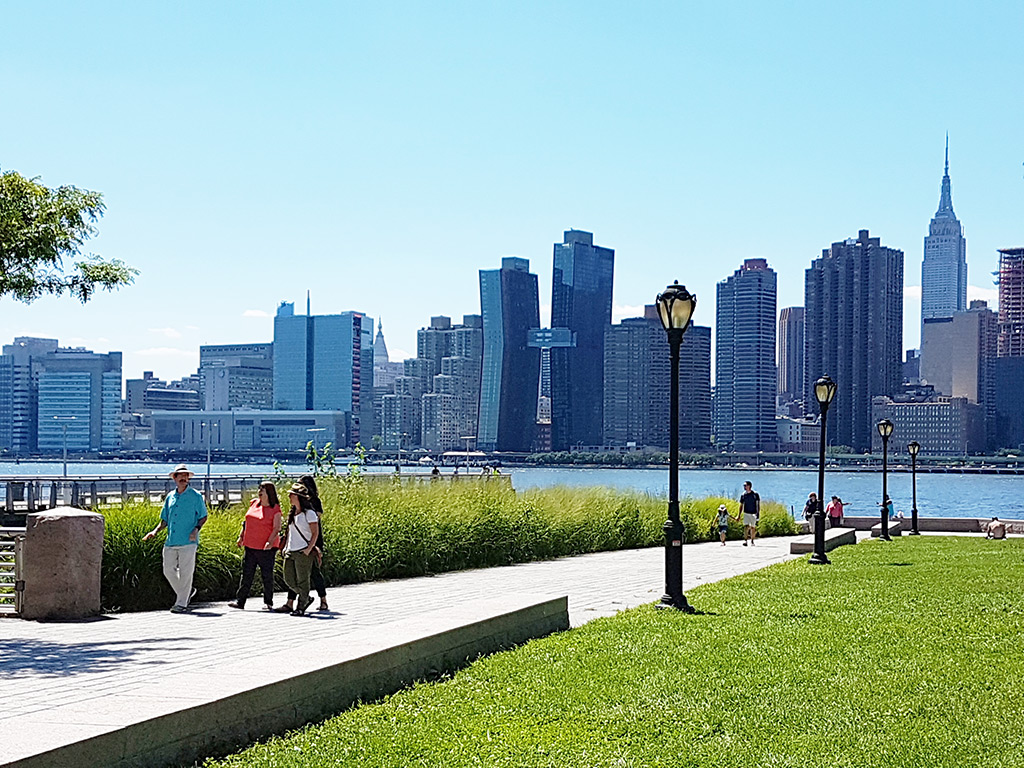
[824, 391]
[64, 426]
[465, 438]
[885, 428]
[401, 439]
[208, 425]
[914, 448]
[675, 307]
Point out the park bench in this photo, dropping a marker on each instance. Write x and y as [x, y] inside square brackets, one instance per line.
[834, 537]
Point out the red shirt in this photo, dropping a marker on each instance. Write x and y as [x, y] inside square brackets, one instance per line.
[834, 509]
[259, 526]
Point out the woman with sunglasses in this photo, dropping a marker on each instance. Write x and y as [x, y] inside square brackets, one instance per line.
[260, 538]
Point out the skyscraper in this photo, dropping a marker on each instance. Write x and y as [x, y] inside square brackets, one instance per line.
[853, 302]
[791, 353]
[237, 376]
[324, 363]
[581, 301]
[637, 379]
[958, 357]
[79, 390]
[19, 392]
[452, 404]
[1010, 360]
[746, 382]
[1011, 302]
[944, 269]
[508, 399]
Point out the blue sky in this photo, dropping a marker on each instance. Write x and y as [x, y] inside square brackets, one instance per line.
[379, 154]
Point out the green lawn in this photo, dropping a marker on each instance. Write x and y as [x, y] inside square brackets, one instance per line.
[899, 654]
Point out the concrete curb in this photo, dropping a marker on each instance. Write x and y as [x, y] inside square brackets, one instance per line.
[209, 714]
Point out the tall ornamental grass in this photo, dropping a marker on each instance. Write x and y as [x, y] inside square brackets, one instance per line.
[379, 530]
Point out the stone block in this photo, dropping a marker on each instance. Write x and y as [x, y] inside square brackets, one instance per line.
[895, 528]
[834, 537]
[61, 560]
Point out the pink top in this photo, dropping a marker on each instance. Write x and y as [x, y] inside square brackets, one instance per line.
[259, 526]
[834, 509]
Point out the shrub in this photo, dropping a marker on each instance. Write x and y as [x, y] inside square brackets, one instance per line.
[380, 530]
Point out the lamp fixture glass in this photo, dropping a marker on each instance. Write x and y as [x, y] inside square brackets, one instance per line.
[885, 428]
[675, 307]
[824, 390]
[914, 448]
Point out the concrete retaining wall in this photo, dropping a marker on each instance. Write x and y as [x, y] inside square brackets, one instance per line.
[936, 524]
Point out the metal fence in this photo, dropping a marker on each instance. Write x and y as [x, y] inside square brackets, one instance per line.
[11, 582]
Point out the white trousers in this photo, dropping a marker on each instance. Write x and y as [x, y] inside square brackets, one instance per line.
[179, 567]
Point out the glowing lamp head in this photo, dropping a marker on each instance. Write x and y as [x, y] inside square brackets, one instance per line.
[675, 307]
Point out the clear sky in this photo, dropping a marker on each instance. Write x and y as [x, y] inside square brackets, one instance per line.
[379, 154]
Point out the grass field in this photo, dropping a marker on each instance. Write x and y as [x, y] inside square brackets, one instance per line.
[376, 530]
[901, 654]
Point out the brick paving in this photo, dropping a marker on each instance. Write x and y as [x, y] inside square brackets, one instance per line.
[87, 667]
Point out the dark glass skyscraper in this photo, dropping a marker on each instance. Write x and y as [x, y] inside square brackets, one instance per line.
[853, 308]
[510, 307]
[745, 379]
[581, 301]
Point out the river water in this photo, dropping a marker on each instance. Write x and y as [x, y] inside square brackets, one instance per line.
[938, 495]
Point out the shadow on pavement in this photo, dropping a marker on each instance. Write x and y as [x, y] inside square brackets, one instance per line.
[42, 657]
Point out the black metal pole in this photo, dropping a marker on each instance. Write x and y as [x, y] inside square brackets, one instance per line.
[913, 509]
[674, 534]
[884, 532]
[819, 557]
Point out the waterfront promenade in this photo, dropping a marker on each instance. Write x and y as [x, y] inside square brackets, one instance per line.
[63, 683]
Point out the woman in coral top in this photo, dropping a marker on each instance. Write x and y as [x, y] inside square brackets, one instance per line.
[260, 537]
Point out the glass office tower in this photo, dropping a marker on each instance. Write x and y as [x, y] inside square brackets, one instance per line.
[510, 308]
[581, 301]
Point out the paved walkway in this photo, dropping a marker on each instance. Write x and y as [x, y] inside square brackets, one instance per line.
[86, 667]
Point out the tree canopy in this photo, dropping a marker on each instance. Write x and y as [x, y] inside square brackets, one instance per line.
[39, 229]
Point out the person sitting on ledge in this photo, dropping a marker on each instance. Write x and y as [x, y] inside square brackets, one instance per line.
[995, 529]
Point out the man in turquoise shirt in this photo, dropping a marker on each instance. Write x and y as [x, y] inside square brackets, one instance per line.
[183, 514]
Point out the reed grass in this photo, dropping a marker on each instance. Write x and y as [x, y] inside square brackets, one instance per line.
[375, 530]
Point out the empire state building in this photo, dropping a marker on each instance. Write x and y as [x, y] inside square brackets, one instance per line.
[944, 270]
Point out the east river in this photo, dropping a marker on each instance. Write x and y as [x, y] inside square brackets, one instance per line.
[938, 495]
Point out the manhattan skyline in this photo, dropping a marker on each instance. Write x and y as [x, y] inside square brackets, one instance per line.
[382, 156]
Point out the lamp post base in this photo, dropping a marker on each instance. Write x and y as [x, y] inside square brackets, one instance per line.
[821, 559]
[675, 603]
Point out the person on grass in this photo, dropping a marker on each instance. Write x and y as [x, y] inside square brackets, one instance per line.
[316, 576]
[182, 514]
[260, 537]
[299, 546]
[750, 508]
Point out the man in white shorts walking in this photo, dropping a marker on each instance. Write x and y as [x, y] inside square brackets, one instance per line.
[750, 508]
